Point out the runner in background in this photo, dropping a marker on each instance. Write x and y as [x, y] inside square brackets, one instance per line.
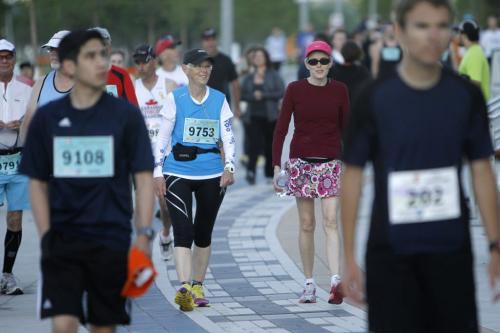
[224, 77]
[320, 108]
[119, 83]
[152, 94]
[54, 85]
[474, 64]
[385, 54]
[117, 58]
[196, 125]
[490, 37]
[13, 186]
[27, 73]
[168, 56]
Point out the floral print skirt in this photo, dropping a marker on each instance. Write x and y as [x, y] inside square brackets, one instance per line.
[313, 180]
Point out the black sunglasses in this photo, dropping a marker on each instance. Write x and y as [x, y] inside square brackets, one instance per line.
[314, 62]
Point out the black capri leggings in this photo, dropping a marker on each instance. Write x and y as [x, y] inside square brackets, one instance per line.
[208, 195]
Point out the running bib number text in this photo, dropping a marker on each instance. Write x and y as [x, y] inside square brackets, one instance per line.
[423, 196]
[153, 130]
[83, 156]
[112, 89]
[201, 131]
[391, 53]
[9, 164]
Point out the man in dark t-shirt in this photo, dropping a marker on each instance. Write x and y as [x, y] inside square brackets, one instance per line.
[224, 77]
[80, 153]
[416, 126]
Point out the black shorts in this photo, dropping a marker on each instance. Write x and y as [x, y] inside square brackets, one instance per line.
[421, 293]
[82, 279]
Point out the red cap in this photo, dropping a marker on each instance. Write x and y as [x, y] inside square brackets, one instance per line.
[137, 282]
[165, 43]
[319, 46]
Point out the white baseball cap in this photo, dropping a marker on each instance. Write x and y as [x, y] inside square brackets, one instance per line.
[56, 39]
[104, 33]
[5, 45]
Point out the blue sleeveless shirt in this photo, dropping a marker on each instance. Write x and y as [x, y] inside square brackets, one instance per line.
[205, 164]
[49, 93]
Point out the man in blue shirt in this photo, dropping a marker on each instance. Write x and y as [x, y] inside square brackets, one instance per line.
[416, 126]
[79, 155]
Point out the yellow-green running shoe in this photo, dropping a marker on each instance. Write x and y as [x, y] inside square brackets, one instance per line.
[184, 298]
[199, 295]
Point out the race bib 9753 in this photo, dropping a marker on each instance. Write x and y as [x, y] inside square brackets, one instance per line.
[201, 131]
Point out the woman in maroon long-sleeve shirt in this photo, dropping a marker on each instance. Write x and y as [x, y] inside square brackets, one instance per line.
[320, 107]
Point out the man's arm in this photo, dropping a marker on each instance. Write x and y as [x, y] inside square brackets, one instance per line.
[349, 201]
[486, 195]
[23, 131]
[39, 195]
[235, 97]
[144, 202]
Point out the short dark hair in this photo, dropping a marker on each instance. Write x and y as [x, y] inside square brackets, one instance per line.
[405, 6]
[70, 45]
[26, 64]
[470, 29]
[351, 52]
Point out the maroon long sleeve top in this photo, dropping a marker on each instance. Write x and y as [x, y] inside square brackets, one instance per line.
[319, 114]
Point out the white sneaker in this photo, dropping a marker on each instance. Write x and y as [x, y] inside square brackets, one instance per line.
[166, 248]
[309, 294]
[9, 285]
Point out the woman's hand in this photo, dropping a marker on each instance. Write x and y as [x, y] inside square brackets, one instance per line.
[277, 171]
[160, 187]
[226, 179]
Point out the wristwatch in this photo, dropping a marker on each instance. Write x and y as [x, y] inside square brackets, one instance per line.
[495, 245]
[146, 231]
[229, 168]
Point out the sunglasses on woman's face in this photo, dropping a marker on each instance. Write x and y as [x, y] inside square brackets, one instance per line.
[314, 62]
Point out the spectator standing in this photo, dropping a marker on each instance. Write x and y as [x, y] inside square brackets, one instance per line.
[276, 47]
[224, 73]
[262, 90]
[490, 38]
[474, 64]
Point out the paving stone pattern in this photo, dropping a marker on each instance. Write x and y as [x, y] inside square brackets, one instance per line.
[248, 284]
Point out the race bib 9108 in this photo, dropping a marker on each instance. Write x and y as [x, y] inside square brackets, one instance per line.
[201, 131]
[423, 195]
[83, 156]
